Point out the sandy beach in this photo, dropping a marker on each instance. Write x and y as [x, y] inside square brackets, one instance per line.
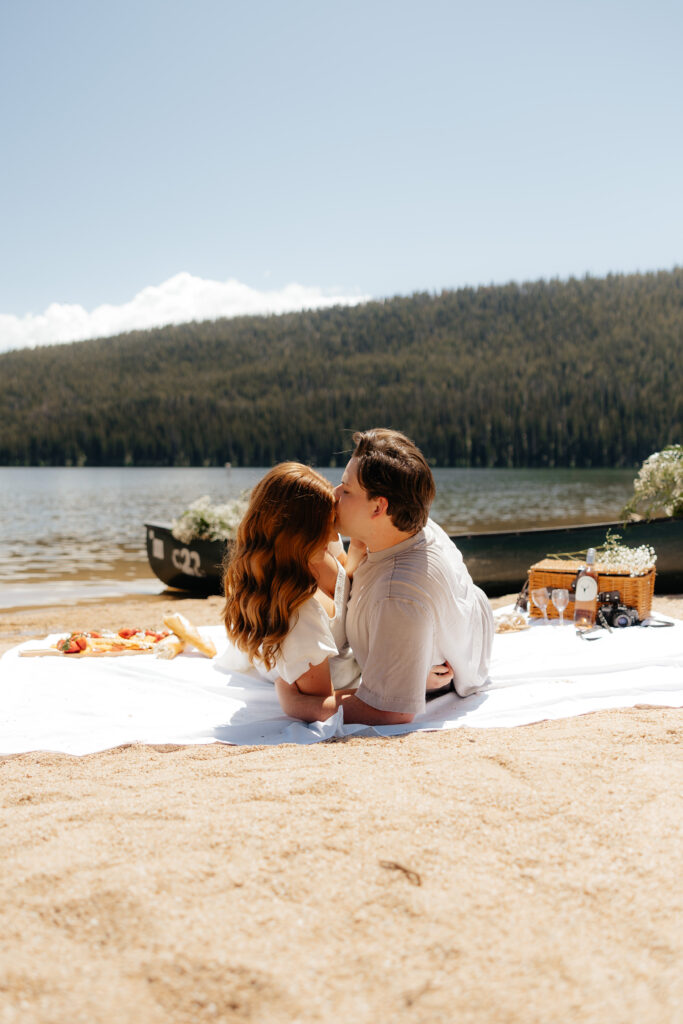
[506, 875]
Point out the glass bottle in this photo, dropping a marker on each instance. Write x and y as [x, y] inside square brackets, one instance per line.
[586, 600]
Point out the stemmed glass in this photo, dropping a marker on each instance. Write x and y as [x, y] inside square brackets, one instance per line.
[560, 599]
[540, 599]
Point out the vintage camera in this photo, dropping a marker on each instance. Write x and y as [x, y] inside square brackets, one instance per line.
[612, 612]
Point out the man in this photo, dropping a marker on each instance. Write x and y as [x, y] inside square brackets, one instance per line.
[413, 603]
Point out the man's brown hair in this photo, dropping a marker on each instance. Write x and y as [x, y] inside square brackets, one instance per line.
[391, 466]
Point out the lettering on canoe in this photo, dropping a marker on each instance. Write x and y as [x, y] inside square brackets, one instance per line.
[187, 562]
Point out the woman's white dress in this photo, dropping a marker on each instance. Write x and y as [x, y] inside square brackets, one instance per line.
[312, 637]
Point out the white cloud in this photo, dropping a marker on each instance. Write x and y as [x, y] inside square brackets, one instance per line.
[178, 300]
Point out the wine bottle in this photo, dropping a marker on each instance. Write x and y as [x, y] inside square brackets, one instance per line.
[586, 600]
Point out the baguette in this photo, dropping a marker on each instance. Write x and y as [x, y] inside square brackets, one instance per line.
[184, 629]
[169, 647]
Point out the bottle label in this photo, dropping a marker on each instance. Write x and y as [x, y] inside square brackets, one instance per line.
[586, 589]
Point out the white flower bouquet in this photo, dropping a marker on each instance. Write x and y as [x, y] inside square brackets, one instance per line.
[203, 521]
[620, 558]
[658, 488]
[613, 557]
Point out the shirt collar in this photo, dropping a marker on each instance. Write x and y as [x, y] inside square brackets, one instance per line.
[396, 549]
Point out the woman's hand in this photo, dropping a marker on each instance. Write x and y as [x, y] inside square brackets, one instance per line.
[439, 675]
[356, 553]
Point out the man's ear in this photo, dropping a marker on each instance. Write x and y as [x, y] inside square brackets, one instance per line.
[380, 506]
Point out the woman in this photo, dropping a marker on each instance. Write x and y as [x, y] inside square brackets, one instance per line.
[287, 583]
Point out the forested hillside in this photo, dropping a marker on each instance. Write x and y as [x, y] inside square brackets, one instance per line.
[585, 372]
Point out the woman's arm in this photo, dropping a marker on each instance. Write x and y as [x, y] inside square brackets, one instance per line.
[309, 708]
[317, 682]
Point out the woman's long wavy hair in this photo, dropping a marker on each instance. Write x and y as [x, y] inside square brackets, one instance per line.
[267, 573]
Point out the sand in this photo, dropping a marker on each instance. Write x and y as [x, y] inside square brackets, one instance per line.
[509, 875]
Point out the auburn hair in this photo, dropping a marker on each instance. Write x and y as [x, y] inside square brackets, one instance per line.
[267, 574]
[390, 465]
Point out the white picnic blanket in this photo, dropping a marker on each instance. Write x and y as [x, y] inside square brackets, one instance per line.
[547, 672]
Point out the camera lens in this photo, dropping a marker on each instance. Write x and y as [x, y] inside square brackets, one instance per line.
[621, 620]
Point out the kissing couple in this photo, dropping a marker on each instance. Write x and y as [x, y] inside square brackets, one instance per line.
[377, 630]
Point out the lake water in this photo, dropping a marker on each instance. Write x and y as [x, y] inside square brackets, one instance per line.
[69, 534]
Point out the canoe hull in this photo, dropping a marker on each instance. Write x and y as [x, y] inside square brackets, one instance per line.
[498, 562]
[195, 567]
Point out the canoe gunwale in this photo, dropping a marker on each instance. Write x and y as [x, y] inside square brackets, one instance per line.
[497, 561]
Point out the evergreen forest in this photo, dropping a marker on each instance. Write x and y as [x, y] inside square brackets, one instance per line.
[585, 372]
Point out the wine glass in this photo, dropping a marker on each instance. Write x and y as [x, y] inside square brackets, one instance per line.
[540, 599]
[560, 598]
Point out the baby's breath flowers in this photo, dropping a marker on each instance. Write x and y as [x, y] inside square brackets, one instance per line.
[622, 559]
[658, 488]
[615, 557]
[203, 521]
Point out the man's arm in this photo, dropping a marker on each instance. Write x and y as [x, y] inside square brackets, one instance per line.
[312, 708]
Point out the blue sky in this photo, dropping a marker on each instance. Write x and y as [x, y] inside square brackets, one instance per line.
[165, 159]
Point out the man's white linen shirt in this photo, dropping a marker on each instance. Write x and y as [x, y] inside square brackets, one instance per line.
[412, 606]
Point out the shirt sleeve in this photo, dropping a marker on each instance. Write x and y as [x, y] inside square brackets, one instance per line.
[394, 676]
[309, 642]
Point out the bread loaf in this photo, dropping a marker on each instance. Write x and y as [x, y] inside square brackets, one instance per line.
[184, 629]
[169, 647]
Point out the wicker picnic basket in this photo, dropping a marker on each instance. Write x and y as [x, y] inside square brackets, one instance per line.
[636, 591]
